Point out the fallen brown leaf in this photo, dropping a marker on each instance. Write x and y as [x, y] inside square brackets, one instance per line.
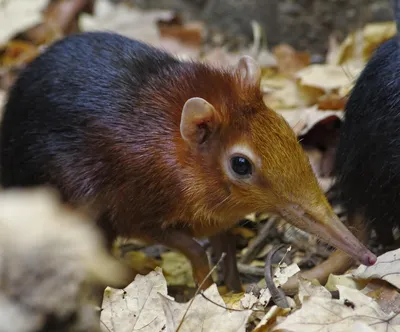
[387, 296]
[17, 53]
[191, 33]
[289, 60]
[332, 101]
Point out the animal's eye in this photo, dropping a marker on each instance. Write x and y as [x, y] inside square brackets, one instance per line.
[241, 166]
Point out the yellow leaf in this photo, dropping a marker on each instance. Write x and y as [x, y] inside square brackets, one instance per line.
[177, 269]
[244, 232]
[373, 34]
[343, 280]
[140, 263]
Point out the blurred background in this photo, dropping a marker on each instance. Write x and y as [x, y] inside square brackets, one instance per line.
[304, 24]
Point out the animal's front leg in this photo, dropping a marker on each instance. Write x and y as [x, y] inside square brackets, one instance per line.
[225, 242]
[183, 242]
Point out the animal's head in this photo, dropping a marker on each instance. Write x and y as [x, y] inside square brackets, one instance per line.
[251, 161]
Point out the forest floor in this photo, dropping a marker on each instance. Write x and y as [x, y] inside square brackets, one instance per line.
[311, 96]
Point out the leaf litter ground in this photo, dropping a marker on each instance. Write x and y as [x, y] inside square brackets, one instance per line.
[311, 97]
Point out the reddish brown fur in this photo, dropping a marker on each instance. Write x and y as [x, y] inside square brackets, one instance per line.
[116, 142]
[186, 188]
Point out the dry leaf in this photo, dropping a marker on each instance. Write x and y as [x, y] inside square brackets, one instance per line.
[325, 314]
[272, 81]
[387, 268]
[17, 53]
[232, 300]
[250, 301]
[267, 321]
[177, 269]
[361, 327]
[127, 21]
[309, 94]
[139, 262]
[308, 117]
[203, 315]
[221, 57]
[343, 280]
[373, 34]
[17, 15]
[308, 289]
[284, 272]
[244, 232]
[289, 60]
[137, 24]
[136, 307]
[285, 98]
[327, 77]
[387, 296]
[332, 101]
[191, 33]
[257, 217]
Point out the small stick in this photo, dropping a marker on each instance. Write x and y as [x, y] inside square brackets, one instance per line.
[259, 242]
[251, 270]
[232, 309]
[277, 294]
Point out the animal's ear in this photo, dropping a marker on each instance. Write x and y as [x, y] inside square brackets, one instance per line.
[248, 70]
[198, 121]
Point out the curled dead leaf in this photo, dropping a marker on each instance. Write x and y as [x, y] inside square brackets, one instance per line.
[326, 314]
[387, 267]
[191, 33]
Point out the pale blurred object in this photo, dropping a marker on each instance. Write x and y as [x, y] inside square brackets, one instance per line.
[50, 257]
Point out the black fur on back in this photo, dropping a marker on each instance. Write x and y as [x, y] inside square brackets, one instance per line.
[89, 79]
[367, 165]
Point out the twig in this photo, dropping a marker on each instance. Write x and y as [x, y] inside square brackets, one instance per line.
[199, 288]
[232, 309]
[250, 270]
[259, 242]
[277, 294]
